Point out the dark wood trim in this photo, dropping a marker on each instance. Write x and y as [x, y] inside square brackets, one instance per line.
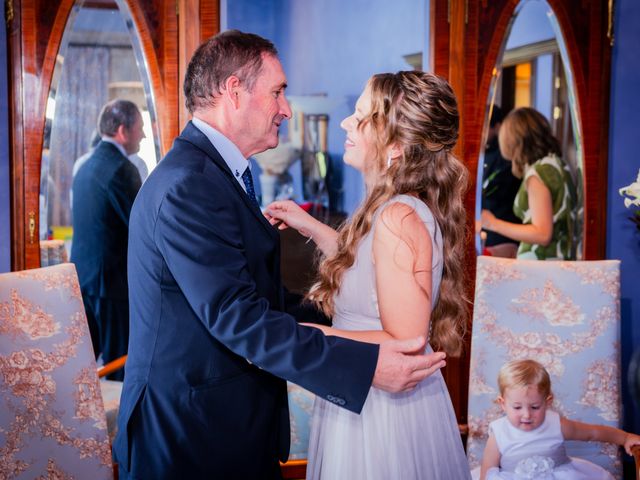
[16, 153]
[188, 41]
[192, 34]
[209, 18]
[159, 50]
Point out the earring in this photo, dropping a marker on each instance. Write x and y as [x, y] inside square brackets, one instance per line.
[388, 160]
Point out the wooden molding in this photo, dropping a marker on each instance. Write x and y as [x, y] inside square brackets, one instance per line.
[189, 39]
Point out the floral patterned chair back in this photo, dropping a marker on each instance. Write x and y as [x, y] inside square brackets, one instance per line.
[566, 316]
[52, 420]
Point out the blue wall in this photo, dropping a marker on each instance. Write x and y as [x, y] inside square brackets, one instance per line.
[5, 220]
[623, 239]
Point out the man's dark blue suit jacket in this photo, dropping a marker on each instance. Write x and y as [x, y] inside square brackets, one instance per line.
[103, 193]
[210, 345]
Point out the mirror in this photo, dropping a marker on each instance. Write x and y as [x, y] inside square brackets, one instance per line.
[533, 70]
[100, 58]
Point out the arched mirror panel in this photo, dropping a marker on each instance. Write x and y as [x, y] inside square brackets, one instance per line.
[533, 71]
[47, 37]
[100, 59]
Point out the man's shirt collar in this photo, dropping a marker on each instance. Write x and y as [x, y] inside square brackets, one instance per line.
[117, 145]
[226, 148]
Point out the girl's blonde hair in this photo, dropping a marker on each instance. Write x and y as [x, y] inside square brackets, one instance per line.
[523, 373]
[525, 137]
[418, 112]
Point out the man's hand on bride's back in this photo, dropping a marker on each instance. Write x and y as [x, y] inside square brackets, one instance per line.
[401, 365]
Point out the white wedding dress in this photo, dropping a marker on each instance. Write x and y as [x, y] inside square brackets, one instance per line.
[412, 435]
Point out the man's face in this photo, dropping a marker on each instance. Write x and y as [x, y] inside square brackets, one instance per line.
[263, 109]
[133, 136]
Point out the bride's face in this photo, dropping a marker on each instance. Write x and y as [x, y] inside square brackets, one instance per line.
[359, 145]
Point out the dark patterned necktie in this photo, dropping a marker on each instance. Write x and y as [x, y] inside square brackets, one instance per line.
[248, 183]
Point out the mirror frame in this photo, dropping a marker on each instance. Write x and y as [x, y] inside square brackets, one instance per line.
[572, 111]
[34, 35]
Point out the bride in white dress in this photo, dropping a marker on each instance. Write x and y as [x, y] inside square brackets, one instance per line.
[394, 271]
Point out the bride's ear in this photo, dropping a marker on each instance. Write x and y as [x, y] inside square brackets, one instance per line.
[394, 151]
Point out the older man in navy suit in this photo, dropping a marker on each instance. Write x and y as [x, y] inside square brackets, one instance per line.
[204, 393]
[104, 190]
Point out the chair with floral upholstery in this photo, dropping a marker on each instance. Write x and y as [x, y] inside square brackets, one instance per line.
[300, 409]
[563, 314]
[52, 418]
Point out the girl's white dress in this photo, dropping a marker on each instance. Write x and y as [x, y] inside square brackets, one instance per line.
[412, 435]
[539, 454]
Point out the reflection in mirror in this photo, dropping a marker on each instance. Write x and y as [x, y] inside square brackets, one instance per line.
[533, 70]
[99, 59]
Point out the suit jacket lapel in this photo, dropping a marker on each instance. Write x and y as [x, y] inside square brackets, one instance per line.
[199, 139]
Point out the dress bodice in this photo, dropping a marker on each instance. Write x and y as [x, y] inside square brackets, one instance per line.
[516, 446]
[356, 304]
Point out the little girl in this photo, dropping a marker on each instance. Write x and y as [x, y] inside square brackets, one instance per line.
[529, 441]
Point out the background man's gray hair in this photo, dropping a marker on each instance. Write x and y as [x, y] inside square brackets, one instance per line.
[115, 113]
[229, 53]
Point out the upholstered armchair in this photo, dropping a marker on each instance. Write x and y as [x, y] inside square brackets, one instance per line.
[52, 420]
[565, 315]
[300, 409]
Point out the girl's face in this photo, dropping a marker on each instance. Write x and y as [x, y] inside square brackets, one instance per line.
[525, 407]
[359, 145]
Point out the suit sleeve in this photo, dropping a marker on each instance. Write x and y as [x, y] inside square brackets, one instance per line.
[199, 238]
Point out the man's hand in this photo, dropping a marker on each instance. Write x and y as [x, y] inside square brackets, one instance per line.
[401, 366]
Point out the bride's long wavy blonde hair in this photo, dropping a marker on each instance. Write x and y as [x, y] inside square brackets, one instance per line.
[418, 112]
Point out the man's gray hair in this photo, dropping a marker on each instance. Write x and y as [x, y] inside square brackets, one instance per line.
[229, 53]
[115, 113]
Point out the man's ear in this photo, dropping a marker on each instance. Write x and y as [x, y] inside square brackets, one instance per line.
[232, 88]
[122, 134]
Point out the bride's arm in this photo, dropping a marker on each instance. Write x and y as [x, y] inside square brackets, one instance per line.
[402, 257]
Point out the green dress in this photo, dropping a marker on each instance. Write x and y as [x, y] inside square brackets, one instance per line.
[553, 172]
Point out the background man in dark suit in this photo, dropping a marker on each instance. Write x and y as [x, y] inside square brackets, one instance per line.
[103, 192]
[204, 394]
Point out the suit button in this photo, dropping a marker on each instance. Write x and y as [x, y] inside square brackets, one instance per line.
[336, 400]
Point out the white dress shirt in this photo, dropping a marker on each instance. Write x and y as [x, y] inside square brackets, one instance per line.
[226, 148]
